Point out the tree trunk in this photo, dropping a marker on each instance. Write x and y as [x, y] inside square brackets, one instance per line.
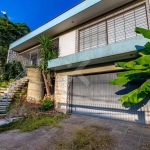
[46, 84]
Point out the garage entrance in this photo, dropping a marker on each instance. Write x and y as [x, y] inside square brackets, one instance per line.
[92, 95]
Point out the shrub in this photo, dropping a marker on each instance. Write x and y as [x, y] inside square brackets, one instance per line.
[46, 104]
[12, 70]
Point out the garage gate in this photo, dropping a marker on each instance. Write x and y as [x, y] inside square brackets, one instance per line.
[92, 95]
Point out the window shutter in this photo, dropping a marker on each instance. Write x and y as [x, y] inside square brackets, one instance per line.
[119, 28]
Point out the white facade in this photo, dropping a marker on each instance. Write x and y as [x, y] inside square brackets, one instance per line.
[67, 43]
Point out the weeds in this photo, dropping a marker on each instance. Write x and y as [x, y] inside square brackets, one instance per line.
[31, 123]
[87, 138]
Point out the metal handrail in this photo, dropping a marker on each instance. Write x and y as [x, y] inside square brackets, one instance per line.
[22, 74]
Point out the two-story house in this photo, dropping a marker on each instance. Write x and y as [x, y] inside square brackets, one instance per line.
[92, 36]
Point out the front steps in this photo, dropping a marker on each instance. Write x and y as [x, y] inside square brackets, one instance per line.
[10, 91]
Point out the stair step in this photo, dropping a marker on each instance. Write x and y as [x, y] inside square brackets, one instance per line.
[2, 114]
[4, 100]
[4, 94]
[4, 103]
[2, 111]
[2, 107]
[1, 90]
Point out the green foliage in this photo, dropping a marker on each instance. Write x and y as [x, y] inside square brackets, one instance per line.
[46, 104]
[136, 69]
[10, 126]
[31, 123]
[12, 70]
[4, 84]
[3, 56]
[47, 52]
[10, 31]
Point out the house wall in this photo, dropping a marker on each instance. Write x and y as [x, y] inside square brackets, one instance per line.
[67, 43]
[23, 57]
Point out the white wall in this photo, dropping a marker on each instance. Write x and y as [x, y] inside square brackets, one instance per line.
[67, 43]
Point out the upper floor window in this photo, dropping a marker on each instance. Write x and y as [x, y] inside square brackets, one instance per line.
[113, 29]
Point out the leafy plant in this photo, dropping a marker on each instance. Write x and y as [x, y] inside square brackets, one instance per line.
[47, 52]
[9, 32]
[46, 104]
[12, 70]
[3, 56]
[136, 69]
[5, 83]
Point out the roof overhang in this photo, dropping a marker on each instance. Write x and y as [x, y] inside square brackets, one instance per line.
[77, 15]
[113, 52]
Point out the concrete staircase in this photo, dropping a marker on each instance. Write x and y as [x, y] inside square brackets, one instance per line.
[7, 93]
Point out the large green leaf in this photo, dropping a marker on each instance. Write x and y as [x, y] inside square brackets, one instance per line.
[120, 80]
[145, 87]
[126, 73]
[133, 65]
[144, 52]
[137, 95]
[120, 64]
[136, 73]
[147, 46]
[132, 98]
[144, 32]
[143, 60]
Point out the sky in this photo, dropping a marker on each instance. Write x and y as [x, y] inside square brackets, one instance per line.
[35, 12]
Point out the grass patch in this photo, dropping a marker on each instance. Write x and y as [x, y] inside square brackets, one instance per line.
[31, 123]
[87, 138]
[34, 123]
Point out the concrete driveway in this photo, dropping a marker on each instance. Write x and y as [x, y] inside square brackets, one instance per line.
[128, 135]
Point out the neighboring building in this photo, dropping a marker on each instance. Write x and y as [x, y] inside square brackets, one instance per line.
[91, 37]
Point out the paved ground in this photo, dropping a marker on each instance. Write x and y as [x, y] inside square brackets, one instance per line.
[129, 135]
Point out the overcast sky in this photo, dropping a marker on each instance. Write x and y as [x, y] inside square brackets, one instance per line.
[35, 12]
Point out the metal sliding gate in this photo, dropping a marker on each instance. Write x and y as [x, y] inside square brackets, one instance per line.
[92, 95]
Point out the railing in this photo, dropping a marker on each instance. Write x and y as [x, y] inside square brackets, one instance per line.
[21, 75]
